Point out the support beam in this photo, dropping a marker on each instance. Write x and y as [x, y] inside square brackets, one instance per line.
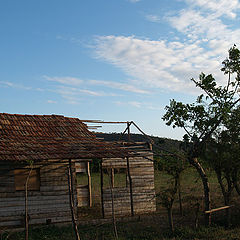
[71, 200]
[129, 174]
[89, 184]
[101, 182]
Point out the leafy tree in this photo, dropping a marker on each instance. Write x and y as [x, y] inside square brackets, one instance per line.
[203, 118]
[223, 155]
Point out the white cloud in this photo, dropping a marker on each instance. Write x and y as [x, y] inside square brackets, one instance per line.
[75, 95]
[218, 7]
[171, 64]
[135, 104]
[120, 86]
[65, 80]
[71, 81]
[51, 101]
[71, 91]
[14, 85]
[152, 63]
[139, 105]
[153, 18]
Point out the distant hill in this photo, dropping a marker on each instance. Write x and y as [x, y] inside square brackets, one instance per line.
[166, 144]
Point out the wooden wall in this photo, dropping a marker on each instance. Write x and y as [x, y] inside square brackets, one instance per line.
[84, 194]
[49, 204]
[142, 174]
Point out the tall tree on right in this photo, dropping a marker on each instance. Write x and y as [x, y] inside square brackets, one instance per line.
[202, 119]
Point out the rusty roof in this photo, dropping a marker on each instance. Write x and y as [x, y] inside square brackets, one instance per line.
[41, 137]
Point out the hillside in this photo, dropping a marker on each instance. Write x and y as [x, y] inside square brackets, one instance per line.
[166, 144]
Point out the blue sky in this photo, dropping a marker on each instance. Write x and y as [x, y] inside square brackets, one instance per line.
[112, 60]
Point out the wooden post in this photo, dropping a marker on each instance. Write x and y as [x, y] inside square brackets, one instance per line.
[129, 175]
[26, 204]
[170, 219]
[113, 211]
[89, 184]
[71, 200]
[102, 203]
[112, 176]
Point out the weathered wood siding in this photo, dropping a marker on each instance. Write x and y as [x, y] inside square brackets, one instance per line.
[49, 205]
[83, 190]
[83, 196]
[142, 174]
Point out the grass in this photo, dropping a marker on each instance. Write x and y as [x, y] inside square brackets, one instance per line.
[139, 230]
[155, 226]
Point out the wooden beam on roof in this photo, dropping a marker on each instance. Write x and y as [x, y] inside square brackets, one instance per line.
[93, 127]
[100, 121]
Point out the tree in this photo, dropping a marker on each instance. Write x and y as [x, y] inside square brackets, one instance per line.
[223, 155]
[233, 128]
[174, 166]
[203, 118]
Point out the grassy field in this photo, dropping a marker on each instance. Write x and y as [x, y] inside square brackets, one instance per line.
[155, 226]
[132, 231]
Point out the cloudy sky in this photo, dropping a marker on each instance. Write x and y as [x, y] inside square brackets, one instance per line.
[112, 60]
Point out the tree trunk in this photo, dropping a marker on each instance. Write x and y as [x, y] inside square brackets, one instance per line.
[227, 212]
[226, 196]
[180, 196]
[170, 218]
[194, 161]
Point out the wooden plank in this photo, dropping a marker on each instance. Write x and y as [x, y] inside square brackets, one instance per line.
[34, 208]
[33, 198]
[101, 184]
[53, 188]
[217, 209]
[89, 185]
[4, 205]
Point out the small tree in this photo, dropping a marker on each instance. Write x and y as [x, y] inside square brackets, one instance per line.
[202, 118]
[174, 166]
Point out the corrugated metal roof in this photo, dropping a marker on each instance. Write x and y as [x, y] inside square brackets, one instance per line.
[38, 137]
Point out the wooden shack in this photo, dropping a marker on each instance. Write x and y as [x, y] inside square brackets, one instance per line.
[43, 149]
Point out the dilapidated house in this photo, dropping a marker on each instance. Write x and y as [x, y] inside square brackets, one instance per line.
[41, 148]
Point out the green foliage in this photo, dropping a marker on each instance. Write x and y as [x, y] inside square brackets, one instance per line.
[203, 117]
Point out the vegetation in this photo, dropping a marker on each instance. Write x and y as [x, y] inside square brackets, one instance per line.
[204, 119]
[130, 231]
[155, 226]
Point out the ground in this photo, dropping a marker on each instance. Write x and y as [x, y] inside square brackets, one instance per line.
[156, 225]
